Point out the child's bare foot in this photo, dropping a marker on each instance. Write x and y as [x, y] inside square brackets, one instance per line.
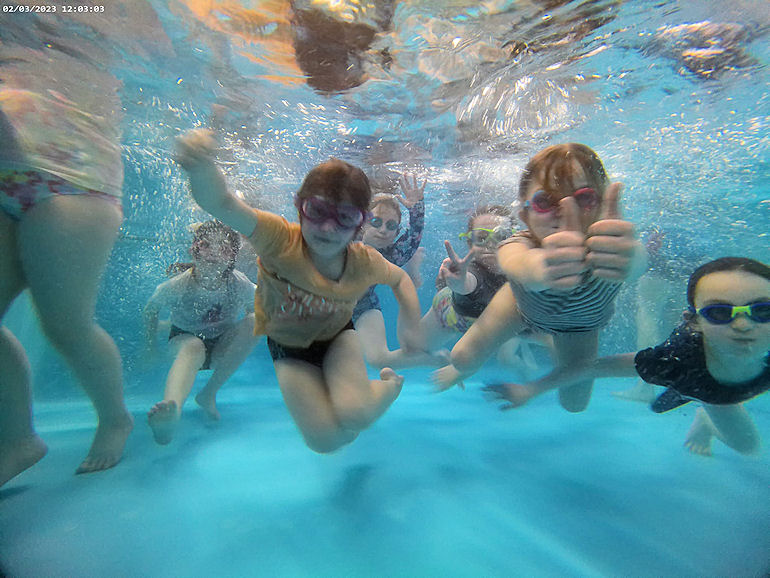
[641, 391]
[393, 381]
[163, 419]
[19, 455]
[447, 376]
[698, 439]
[514, 394]
[209, 405]
[107, 447]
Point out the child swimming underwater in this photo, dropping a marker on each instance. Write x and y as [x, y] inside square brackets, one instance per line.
[719, 356]
[381, 231]
[208, 330]
[563, 272]
[311, 275]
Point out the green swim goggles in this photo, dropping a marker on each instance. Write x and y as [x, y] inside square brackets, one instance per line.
[723, 313]
[481, 237]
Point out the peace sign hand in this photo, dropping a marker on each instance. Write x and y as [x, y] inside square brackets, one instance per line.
[564, 252]
[611, 241]
[413, 193]
[454, 270]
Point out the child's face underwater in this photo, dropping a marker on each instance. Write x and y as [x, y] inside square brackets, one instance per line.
[325, 236]
[543, 224]
[742, 336]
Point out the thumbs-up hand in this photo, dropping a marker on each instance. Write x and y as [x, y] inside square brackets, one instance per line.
[611, 242]
[564, 252]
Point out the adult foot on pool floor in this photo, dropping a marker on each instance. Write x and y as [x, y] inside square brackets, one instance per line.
[19, 455]
[107, 447]
[163, 419]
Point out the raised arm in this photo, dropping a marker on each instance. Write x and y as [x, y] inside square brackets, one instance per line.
[412, 198]
[195, 153]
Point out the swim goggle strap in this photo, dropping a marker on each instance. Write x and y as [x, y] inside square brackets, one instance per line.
[320, 210]
[482, 237]
[541, 202]
[722, 313]
[390, 225]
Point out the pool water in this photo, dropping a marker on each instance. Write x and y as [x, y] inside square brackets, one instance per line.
[674, 98]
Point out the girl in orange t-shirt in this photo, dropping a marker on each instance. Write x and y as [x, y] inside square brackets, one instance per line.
[311, 275]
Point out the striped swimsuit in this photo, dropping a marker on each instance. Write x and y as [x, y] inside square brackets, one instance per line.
[583, 308]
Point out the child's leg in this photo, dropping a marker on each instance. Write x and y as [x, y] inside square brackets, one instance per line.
[732, 424]
[370, 328]
[412, 267]
[229, 353]
[20, 447]
[163, 417]
[499, 322]
[575, 349]
[64, 243]
[656, 298]
[358, 401]
[307, 398]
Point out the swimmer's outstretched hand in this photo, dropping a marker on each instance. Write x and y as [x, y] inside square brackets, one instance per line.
[446, 377]
[413, 193]
[195, 149]
[564, 252]
[611, 241]
[512, 394]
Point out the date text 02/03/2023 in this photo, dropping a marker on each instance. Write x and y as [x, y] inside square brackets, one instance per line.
[50, 8]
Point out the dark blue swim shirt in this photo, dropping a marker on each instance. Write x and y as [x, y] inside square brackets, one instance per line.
[679, 363]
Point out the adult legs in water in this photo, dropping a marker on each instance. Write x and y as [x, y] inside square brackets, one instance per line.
[332, 405]
[20, 447]
[61, 248]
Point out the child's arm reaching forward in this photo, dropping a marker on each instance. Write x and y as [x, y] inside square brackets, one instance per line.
[515, 395]
[207, 184]
[409, 333]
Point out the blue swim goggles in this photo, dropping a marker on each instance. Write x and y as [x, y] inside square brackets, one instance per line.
[723, 313]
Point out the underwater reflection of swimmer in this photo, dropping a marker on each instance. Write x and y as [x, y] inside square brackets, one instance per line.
[706, 48]
[333, 52]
